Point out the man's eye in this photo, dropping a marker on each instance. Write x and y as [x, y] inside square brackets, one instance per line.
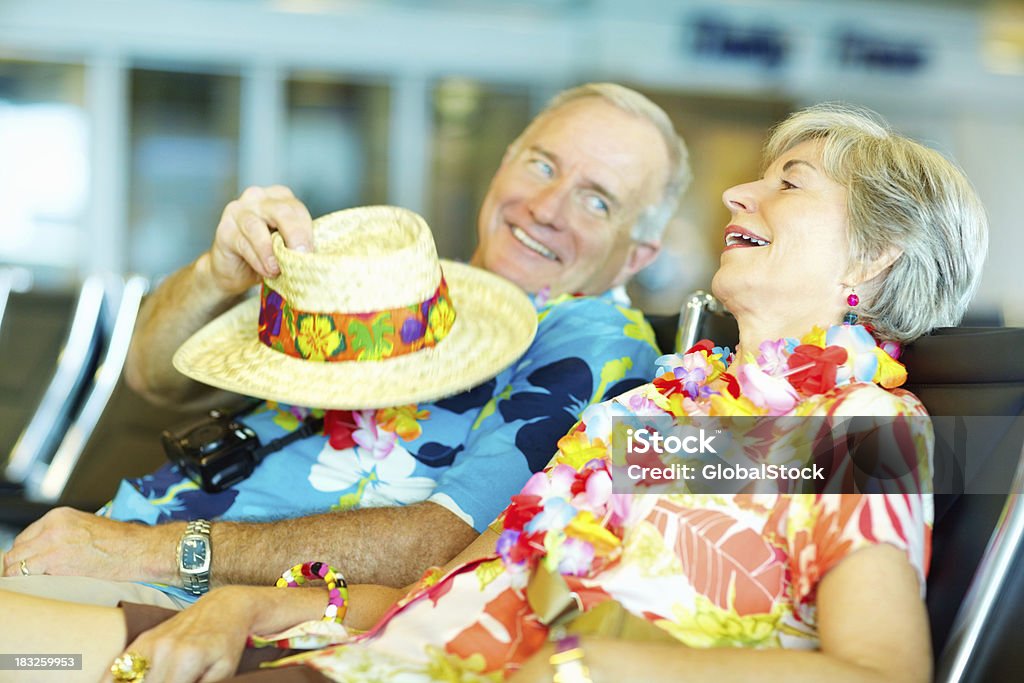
[542, 167]
[597, 204]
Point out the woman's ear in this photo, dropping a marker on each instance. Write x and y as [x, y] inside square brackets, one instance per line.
[863, 273]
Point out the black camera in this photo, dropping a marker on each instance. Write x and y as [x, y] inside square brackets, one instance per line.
[215, 452]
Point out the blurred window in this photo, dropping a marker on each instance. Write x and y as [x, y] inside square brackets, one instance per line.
[183, 164]
[724, 136]
[335, 142]
[473, 124]
[45, 175]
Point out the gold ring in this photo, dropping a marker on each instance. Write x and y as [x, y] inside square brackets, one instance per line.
[131, 666]
[24, 569]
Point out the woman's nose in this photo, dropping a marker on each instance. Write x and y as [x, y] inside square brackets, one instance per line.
[740, 198]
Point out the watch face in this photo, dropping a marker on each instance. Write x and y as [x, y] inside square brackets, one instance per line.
[194, 553]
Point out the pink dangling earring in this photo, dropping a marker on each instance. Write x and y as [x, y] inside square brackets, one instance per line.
[851, 318]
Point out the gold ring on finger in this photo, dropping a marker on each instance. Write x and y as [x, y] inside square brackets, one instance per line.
[131, 666]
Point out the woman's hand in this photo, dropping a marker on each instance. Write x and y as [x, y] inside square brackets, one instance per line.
[201, 643]
[536, 669]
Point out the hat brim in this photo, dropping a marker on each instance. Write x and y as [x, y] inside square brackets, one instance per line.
[494, 325]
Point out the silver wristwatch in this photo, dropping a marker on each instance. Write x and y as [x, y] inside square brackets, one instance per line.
[195, 557]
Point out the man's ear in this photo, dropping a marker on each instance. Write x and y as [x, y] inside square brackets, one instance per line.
[641, 255]
[862, 273]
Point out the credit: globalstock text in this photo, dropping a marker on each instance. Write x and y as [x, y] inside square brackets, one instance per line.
[680, 472]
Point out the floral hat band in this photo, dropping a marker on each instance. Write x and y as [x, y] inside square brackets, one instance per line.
[373, 335]
[371, 290]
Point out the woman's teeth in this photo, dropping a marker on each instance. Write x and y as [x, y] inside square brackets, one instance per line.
[734, 238]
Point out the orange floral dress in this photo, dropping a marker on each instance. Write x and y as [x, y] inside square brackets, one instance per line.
[733, 570]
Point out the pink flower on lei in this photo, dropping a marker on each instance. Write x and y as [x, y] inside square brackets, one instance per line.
[554, 484]
[774, 356]
[774, 394]
[377, 442]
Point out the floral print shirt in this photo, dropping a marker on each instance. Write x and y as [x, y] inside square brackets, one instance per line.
[468, 453]
[709, 570]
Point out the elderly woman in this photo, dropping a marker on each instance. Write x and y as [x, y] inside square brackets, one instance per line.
[851, 231]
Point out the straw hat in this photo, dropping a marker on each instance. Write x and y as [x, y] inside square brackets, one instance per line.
[364, 321]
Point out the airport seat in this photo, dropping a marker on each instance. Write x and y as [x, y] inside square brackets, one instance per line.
[48, 485]
[113, 432]
[63, 363]
[33, 330]
[117, 434]
[972, 380]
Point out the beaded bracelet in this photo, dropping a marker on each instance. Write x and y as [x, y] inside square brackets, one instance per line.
[567, 662]
[337, 588]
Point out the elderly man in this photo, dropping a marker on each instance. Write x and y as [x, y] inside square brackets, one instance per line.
[576, 208]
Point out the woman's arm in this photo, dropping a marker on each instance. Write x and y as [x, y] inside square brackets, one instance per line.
[872, 625]
[34, 625]
[481, 547]
[206, 639]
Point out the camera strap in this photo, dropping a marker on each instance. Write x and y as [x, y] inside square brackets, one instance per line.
[310, 426]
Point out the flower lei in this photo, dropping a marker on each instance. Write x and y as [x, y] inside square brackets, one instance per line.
[568, 518]
[785, 372]
[565, 518]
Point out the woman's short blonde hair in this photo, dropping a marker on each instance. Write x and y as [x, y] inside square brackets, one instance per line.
[901, 195]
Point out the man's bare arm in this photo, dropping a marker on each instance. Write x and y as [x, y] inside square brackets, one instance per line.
[182, 304]
[390, 546]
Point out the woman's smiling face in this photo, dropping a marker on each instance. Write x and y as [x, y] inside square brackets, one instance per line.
[787, 252]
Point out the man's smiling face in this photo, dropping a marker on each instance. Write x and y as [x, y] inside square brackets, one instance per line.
[560, 209]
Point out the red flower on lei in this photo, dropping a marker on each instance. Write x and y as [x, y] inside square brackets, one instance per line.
[813, 369]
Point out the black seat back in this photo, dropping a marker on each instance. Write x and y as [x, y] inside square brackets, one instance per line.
[972, 382]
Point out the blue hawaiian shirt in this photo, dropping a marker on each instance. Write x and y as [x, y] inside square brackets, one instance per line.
[468, 453]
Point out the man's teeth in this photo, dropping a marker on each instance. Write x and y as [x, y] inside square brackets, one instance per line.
[739, 238]
[521, 235]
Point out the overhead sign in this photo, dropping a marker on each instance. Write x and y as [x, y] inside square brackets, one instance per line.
[767, 46]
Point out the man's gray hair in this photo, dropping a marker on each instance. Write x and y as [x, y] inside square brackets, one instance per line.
[901, 195]
[652, 220]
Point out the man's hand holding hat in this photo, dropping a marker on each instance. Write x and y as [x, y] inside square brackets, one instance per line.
[242, 252]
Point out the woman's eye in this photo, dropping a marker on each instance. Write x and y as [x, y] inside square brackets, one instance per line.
[786, 185]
